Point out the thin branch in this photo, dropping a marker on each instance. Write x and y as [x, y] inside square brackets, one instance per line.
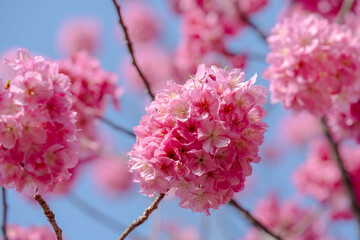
[4, 217]
[344, 174]
[117, 127]
[253, 220]
[251, 24]
[49, 215]
[95, 214]
[345, 8]
[143, 217]
[131, 50]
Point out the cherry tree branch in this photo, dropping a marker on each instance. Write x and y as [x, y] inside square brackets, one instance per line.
[143, 217]
[251, 24]
[344, 174]
[4, 216]
[129, 45]
[117, 127]
[49, 215]
[253, 220]
[345, 8]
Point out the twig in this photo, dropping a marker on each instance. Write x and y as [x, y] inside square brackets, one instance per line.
[253, 220]
[117, 127]
[49, 215]
[251, 24]
[96, 214]
[344, 174]
[131, 50]
[345, 8]
[143, 217]
[4, 217]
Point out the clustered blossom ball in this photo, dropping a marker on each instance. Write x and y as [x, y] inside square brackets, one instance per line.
[200, 138]
[288, 219]
[327, 187]
[37, 126]
[314, 65]
[91, 89]
[15, 232]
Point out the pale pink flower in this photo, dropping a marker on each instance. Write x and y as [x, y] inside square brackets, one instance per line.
[15, 232]
[176, 231]
[142, 22]
[299, 128]
[38, 147]
[345, 125]
[79, 34]
[111, 175]
[193, 142]
[287, 219]
[327, 187]
[314, 65]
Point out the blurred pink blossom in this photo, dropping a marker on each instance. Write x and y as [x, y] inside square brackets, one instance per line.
[79, 34]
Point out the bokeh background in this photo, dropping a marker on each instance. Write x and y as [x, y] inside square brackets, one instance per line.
[35, 25]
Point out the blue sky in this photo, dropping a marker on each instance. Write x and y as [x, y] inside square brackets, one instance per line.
[34, 25]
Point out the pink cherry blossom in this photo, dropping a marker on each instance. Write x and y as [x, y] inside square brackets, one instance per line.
[79, 34]
[288, 219]
[200, 138]
[327, 187]
[326, 8]
[176, 231]
[345, 125]
[38, 147]
[92, 89]
[300, 128]
[314, 65]
[112, 175]
[15, 232]
[143, 25]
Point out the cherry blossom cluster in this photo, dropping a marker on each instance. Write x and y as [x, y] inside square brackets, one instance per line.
[289, 219]
[91, 89]
[15, 232]
[326, 8]
[200, 138]
[314, 65]
[37, 126]
[206, 26]
[327, 187]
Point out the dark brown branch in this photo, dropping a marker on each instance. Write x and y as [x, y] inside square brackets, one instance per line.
[253, 220]
[143, 217]
[4, 217]
[131, 50]
[117, 127]
[251, 24]
[49, 215]
[345, 8]
[344, 174]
